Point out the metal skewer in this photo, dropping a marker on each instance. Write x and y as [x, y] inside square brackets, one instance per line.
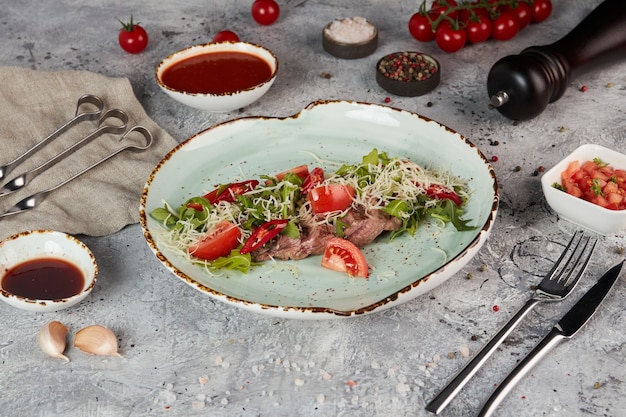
[80, 115]
[34, 200]
[25, 178]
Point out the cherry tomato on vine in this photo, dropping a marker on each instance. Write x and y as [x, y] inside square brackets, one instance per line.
[265, 12]
[441, 6]
[541, 10]
[449, 38]
[420, 28]
[478, 29]
[505, 26]
[132, 37]
[226, 36]
[523, 12]
[468, 14]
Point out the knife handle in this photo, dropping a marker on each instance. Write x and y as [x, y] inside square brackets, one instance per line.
[547, 343]
[437, 404]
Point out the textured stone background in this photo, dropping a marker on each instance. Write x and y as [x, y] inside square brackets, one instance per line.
[187, 355]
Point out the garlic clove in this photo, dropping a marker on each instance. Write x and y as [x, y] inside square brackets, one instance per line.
[52, 339]
[96, 340]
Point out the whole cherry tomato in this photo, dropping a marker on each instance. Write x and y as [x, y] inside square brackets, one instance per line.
[265, 12]
[505, 26]
[226, 36]
[541, 10]
[523, 12]
[450, 38]
[132, 37]
[420, 28]
[478, 29]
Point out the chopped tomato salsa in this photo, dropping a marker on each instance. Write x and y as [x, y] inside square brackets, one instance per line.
[595, 181]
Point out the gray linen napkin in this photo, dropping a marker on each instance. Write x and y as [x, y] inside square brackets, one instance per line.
[34, 104]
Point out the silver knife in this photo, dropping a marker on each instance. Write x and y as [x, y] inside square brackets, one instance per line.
[565, 329]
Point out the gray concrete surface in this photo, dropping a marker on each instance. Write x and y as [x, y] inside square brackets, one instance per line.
[186, 355]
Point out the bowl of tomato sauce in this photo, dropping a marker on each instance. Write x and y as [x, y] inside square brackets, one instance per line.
[218, 77]
[588, 188]
[45, 270]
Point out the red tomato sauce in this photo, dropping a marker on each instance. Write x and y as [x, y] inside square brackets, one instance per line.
[217, 73]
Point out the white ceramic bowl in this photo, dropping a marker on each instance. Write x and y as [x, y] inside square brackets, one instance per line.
[40, 244]
[576, 210]
[223, 102]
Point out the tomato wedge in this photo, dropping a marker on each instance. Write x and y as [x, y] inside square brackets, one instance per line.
[216, 242]
[442, 193]
[343, 256]
[229, 192]
[263, 234]
[301, 170]
[327, 198]
[312, 180]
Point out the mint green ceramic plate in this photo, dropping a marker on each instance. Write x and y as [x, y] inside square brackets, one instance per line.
[341, 131]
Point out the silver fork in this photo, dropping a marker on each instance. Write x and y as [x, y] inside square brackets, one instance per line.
[555, 286]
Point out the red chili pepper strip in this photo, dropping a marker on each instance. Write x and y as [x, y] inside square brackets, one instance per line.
[441, 193]
[263, 234]
[195, 206]
[229, 192]
[315, 177]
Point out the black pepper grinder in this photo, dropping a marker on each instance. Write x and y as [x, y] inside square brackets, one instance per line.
[521, 86]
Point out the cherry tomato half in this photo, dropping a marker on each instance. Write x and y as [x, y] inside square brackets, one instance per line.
[541, 10]
[265, 12]
[216, 242]
[263, 234]
[505, 26]
[420, 28]
[132, 37]
[229, 192]
[226, 36]
[448, 38]
[327, 198]
[343, 256]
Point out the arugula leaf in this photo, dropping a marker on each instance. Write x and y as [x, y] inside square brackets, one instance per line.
[447, 211]
[235, 261]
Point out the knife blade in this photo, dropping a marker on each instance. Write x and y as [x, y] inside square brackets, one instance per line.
[565, 329]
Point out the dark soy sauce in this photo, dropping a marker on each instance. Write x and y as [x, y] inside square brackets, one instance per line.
[44, 279]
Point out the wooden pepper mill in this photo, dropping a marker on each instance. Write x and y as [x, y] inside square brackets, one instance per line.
[521, 86]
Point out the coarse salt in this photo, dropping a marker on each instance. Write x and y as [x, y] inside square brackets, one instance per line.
[351, 30]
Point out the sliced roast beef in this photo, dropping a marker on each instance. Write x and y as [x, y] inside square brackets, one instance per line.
[363, 228]
[312, 241]
[367, 226]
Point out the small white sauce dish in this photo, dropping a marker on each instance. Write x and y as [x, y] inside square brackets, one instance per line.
[46, 245]
[219, 102]
[576, 210]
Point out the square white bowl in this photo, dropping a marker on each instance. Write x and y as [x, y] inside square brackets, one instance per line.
[576, 210]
